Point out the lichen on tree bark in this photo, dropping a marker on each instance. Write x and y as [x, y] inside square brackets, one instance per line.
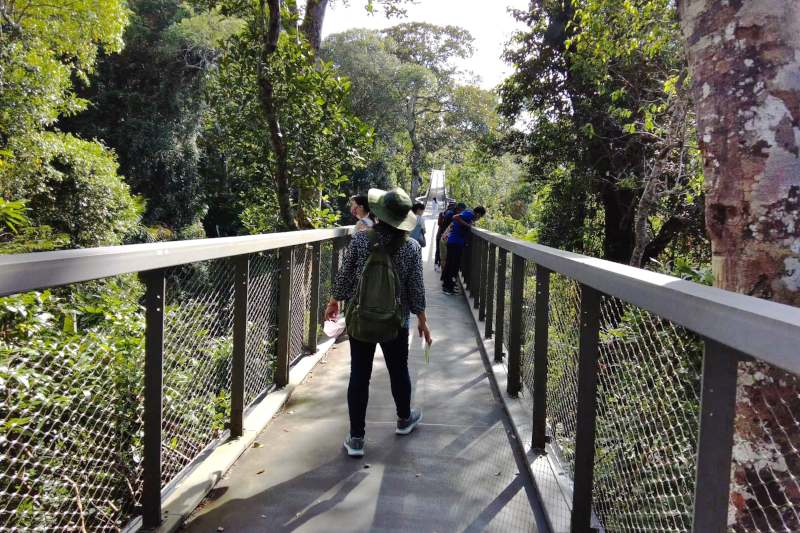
[745, 62]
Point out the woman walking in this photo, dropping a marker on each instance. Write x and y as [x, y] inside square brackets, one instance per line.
[381, 278]
[359, 208]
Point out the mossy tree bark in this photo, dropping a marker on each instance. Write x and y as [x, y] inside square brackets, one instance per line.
[745, 62]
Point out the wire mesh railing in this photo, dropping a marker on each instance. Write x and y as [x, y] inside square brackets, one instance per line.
[647, 420]
[114, 388]
[71, 383]
[300, 300]
[767, 492]
[198, 344]
[262, 337]
[632, 400]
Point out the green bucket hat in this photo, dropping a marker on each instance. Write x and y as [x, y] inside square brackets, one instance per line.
[392, 207]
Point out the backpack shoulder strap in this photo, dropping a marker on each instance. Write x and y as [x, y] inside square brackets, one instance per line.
[393, 247]
[389, 249]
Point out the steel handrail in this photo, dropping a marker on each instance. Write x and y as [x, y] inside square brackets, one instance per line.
[40, 270]
[766, 330]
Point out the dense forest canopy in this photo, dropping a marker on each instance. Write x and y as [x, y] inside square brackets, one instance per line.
[186, 119]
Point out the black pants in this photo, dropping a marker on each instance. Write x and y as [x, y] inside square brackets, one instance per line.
[437, 260]
[395, 352]
[452, 265]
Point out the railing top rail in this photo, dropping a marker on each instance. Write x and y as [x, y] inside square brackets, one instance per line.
[766, 330]
[39, 270]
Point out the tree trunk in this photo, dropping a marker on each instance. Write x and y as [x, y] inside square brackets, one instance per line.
[270, 31]
[414, 159]
[309, 198]
[745, 60]
[618, 226]
[647, 204]
[312, 22]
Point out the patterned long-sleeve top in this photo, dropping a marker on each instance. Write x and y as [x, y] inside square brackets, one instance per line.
[407, 262]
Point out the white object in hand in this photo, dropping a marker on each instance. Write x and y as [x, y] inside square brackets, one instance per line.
[333, 328]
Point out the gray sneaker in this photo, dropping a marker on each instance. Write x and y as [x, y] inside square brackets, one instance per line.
[354, 446]
[407, 425]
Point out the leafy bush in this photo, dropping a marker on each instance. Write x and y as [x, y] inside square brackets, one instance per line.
[72, 186]
[71, 378]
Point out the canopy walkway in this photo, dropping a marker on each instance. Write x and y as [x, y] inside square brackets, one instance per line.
[564, 393]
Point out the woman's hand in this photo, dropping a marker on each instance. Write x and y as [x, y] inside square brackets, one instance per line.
[332, 310]
[422, 327]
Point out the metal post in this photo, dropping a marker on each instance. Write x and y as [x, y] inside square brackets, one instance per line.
[313, 321]
[466, 266]
[155, 298]
[490, 273]
[586, 410]
[284, 317]
[478, 272]
[540, 330]
[334, 260]
[240, 309]
[715, 442]
[515, 326]
[484, 275]
[500, 312]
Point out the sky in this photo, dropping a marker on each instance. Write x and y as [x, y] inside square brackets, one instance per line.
[487, 20]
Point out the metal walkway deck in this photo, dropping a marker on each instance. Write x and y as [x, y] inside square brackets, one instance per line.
[457, 472]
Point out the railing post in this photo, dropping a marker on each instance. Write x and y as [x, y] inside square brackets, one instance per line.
[240, 309]
[476, 275]
[540, 330]
[581, 521]
[466, 267]
[490, 274]
[500, 312]
[284, 317]
[155, 298]
[715, 442]
[484, 275]
[515, 326]
[313, 321]
[334, 260]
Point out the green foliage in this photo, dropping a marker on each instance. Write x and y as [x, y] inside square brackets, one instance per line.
[149, 104]
[69, 184]
[601, 85]
[72, 186]
[71, 372]
[324, 139]
[404, 86]
[44, 45]
[430, 46]
[12, 215]
[19, 236]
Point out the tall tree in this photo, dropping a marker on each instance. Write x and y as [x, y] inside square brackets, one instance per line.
[428, 81]
[72, 185]
[149, 104]
[269, 19]
[745, 59]
[596, 80]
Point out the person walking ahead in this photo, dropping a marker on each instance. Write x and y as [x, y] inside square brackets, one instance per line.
[461, 223]
[381, 278]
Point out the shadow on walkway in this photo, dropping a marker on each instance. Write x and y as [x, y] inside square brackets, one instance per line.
[456, 472]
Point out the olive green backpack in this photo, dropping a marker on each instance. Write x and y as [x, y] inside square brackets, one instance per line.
[374, 313]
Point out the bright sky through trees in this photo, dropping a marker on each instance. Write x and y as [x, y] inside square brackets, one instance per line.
[489, 22]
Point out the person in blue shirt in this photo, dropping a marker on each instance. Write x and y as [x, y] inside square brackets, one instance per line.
[461, 225]
[445, 217]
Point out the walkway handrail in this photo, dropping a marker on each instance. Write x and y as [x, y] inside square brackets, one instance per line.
[597, 340]
[739, 321]
[218, 336]
[40, 270]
